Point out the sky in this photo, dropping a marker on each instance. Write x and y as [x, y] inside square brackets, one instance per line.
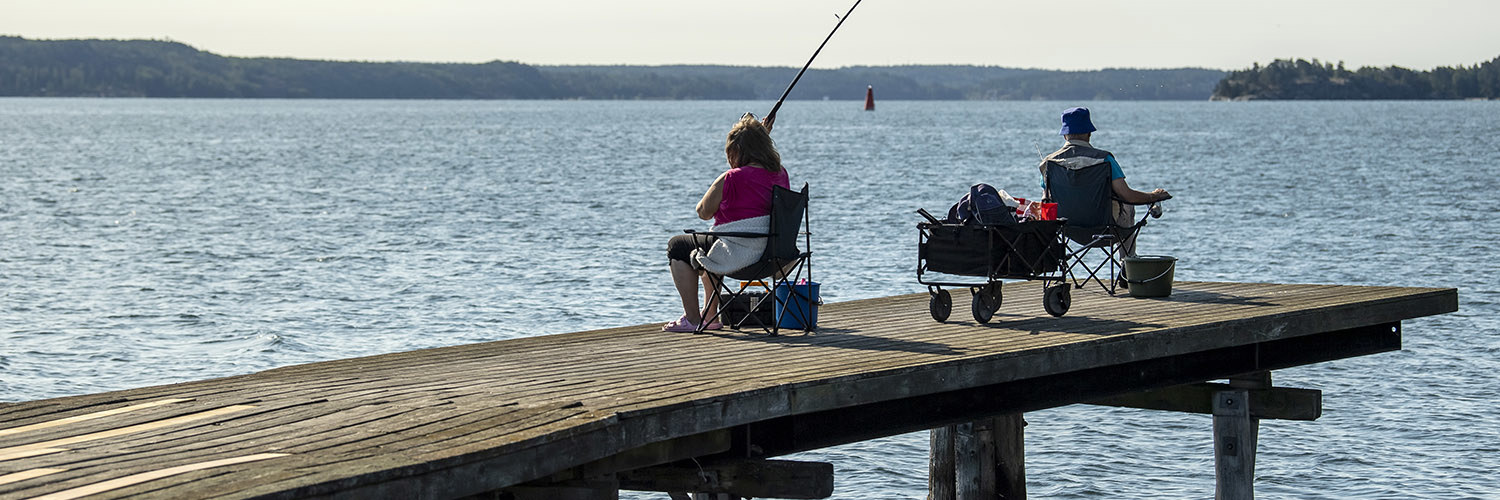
[1046, 34]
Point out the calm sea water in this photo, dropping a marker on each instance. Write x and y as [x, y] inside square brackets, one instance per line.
[145, 242]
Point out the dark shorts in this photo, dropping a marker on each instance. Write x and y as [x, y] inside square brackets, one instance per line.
[681, 247]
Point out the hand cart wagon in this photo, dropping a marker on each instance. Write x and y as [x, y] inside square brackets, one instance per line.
[1032, 250]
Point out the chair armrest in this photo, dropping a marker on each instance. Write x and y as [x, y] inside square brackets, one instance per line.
[731, 234]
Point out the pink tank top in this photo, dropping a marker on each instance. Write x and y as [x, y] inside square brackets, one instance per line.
[747, 193]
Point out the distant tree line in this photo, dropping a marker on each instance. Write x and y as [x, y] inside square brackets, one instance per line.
[145, 68]
[1301, 79]
[149, 68]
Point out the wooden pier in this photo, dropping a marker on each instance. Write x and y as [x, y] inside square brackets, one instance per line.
[583, 415]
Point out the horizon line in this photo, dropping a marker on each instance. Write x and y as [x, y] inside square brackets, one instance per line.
[648, 65]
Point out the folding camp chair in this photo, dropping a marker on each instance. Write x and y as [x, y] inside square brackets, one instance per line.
[1085, 197]
[781, 261]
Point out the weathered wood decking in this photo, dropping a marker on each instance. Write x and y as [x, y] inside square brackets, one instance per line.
[462, 420]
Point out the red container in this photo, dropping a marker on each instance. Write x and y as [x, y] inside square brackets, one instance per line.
[1036, 210]
[1048, 211]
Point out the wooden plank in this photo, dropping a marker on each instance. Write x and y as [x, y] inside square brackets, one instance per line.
[93, 425]
[89, 416]
[1281, 403]
[146, 439]
[740, 478]
[26, 452]
[597, 489]
[113, 484]
[27, 474]
[657, 453]
[147, 451]
[56, 444]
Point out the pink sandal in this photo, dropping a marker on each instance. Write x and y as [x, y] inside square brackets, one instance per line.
[680, 325]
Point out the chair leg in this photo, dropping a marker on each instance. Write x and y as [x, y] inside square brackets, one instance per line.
[752, 313]
[712, 309]
[1081, 259]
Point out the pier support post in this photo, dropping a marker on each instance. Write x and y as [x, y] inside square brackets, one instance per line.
[974, 446]
[984, 459]
[1235, 439]
[940, 471]
[1010, 457]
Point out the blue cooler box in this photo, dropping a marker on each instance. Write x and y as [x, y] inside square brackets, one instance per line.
[800, 302]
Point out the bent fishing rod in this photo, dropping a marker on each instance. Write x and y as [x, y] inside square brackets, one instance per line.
[771, 117]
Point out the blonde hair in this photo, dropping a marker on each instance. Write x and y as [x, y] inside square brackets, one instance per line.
[749, 142]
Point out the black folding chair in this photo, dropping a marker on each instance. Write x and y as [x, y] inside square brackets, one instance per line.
[1085, 197]
[782, 261]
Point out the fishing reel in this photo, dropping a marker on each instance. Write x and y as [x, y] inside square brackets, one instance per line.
[1155, 208]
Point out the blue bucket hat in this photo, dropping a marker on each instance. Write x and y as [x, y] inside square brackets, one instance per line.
[1076, 121]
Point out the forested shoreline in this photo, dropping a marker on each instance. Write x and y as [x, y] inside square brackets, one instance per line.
[1302, 79]
[150, 68]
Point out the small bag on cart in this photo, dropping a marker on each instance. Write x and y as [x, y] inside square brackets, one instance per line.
[982, 205]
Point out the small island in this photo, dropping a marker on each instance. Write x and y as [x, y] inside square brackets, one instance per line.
[1301, 79]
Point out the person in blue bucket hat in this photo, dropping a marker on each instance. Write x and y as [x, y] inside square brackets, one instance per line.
[1076, 122]
[1077, 129]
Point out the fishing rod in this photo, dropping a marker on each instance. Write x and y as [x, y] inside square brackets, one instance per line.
[771, 117]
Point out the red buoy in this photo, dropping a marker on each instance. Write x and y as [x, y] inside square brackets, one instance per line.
[870, 98]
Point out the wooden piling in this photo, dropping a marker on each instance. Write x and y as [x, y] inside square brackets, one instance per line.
[974, 447]
[983, 459]
[1010, 457]
[940, 469]
[1235, 439]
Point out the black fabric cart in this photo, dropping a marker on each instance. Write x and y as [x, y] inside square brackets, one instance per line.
[1034, 250]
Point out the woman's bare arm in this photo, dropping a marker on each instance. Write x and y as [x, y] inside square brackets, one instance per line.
[709, 205]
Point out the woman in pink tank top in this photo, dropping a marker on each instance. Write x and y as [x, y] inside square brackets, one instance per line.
[742, 192]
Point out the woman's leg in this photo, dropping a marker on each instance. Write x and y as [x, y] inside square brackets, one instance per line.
[686, 281]
[685, 278]
[710, 297]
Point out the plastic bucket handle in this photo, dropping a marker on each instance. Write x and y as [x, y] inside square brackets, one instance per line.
[1170, 267]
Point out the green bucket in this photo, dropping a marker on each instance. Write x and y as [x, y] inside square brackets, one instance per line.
[1150, 275]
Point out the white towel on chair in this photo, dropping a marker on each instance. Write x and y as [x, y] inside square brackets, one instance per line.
[730, 254]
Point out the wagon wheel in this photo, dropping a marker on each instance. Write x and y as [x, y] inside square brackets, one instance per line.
[986, 302]
[995, 298]
[940, 305]
[1057, 299]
